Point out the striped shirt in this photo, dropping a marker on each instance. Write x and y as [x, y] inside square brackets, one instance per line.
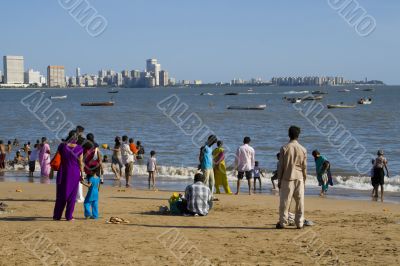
[198, 197]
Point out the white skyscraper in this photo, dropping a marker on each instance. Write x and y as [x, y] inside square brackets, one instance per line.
[154, 68]
[13, 69]
[32, 77]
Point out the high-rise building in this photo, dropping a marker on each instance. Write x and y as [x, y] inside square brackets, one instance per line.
[154, 68]
[56, 76]
[164, 78]
[78, 72]
[32, 77]
[1, 77]
[13, 69]
[102, 73]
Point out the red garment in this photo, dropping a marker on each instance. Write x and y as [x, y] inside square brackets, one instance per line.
[133, 148]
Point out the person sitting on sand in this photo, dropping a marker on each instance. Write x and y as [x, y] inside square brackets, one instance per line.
[379, 173]
[198, 198]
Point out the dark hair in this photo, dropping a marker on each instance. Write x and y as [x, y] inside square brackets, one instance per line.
[29, 152]
[131, 140]
[278, 155]
[72, 136]
[212, 140]
[37, 141]
[256, 163]
[44, 139]
[90, 137]
[315, 153]
[152, 153]
[294, 132]
[246, 140]
[1, 142]
[373, 161]
[80, 129]
[138, 143]
[9, 142]
[220, 143]
[199, 177]
[29, 143]
[124, 138]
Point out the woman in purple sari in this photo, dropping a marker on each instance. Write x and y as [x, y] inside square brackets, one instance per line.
[68, 176]
[44, 158]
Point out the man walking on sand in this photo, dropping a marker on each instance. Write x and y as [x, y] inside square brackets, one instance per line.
[292, 175]
[244, 162]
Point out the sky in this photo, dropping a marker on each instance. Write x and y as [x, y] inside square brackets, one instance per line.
[210, 40]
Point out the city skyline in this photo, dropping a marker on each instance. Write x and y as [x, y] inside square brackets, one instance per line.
[279, 38]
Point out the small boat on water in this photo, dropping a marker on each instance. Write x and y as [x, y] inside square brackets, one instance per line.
[250, 90]
[369, 89]
[250, 107]
[110, 103]
[334, 106]
[231, 94]
[356, 89]
[206, 94]
[293, 100]
[312, 98]
[365, 101]
[319, 92]
[113, 91]
[344, 90]
[58, 97]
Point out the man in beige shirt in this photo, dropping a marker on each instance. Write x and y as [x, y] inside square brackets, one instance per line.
[292, 174]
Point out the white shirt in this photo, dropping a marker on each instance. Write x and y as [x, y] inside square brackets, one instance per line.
[245, 158]
[34, 155]
[151, 164]
[127, 154]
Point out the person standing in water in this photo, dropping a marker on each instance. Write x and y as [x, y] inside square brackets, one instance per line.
[127, 159]
[2, 156]
[44, 158]
[221, 179]
[322, 167]
[379, 173]
[116, 160]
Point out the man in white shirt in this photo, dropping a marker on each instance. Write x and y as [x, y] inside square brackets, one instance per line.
[244, 163]
[127, 159]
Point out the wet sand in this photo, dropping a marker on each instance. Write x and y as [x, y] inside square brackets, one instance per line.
[240, 230]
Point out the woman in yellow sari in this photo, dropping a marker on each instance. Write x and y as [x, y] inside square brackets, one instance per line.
[220, 176]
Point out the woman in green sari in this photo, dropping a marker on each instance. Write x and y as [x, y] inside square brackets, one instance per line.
[221, 179]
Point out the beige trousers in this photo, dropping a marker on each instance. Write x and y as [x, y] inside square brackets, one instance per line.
[291, 190]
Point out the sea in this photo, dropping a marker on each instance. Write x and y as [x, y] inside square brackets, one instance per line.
[175, 123]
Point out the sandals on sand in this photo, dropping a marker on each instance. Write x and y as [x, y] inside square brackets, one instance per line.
[117, 220]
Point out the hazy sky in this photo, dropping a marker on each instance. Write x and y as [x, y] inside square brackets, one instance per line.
[212, 40]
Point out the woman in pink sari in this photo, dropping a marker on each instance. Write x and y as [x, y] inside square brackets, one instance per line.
[44, 158]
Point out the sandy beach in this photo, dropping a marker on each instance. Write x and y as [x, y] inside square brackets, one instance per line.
[239, 231]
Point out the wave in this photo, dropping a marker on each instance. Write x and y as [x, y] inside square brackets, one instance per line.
[296, 92]
[174, 173]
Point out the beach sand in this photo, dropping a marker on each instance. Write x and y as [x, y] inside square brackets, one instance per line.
[239, 231]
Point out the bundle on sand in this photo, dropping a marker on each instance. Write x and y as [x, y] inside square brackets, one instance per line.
[3, 207]
[117, 220]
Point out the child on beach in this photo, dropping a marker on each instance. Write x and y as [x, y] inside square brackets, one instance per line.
[152, 169]
[275, 173]
[325, 178]
[91, 204]
[257, 173]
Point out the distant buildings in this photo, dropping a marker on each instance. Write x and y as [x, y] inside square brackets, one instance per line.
[164, 80]
[56, 77]
[32, 77]
[13, 69]
[154, 68]
[307, 81]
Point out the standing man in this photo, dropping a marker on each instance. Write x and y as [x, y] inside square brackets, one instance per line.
[244, 162]
[127, 159]
[2, 156]
[292, 175]
[206, 162]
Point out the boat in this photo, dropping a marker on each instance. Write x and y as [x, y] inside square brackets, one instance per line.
[249, 107]
[344, 90]
[231, 94]
[369, 89]
[250, 90]
[333, 106]
[365, 101]
[312, 98]
[293, 100]
[206, 94]
[110, 103]
[113, 91]
[58, 97]
[319, 92]
[356, 89]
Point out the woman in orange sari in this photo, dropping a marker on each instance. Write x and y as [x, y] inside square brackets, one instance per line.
[221, 179]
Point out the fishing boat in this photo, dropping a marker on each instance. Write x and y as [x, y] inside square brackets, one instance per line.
[365, 101]
[319, 92]
[58, 97]
[369, 89]
[312, 98]
[249, 107]
[333, 106]
[344, 90]
[231, 94]
[113, 91]
[110, 103]
[206, 94]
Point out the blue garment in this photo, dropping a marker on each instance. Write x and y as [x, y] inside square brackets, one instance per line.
[92, 198]
[319, 162]
[207, 160]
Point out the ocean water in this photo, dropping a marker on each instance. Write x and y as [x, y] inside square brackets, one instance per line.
[166, 120]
